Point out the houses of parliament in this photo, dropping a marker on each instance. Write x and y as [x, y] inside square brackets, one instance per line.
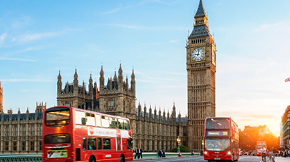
[152, 129]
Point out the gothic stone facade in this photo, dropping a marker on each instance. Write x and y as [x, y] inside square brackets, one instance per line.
[201, 69]
[151, 131]
[21, 133]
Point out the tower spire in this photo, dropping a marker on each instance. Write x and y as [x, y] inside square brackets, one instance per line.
[200, 11]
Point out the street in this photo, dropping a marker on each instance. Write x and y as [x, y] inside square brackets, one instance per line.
[200, 159]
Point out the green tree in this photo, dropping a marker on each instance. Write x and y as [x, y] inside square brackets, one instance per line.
[182, 149]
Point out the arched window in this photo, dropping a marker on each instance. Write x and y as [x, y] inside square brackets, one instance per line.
[15, 131]
[111, 104]
[32, 130]
[67, 104]
[7, 131]
[23, 130]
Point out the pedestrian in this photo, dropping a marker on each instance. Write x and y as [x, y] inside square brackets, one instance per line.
[163, 153]
[159, 153]
[140, 152]
[192, 153]
[136, 153]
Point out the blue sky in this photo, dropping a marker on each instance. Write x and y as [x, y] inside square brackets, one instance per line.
[37, 38]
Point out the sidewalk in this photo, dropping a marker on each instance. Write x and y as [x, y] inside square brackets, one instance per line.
[282, 159]
[164, 158]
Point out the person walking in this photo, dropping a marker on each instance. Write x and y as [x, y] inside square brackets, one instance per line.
[136, 152]
[140, 152]
[163, 153]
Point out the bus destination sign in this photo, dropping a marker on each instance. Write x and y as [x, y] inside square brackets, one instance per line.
[217, 133]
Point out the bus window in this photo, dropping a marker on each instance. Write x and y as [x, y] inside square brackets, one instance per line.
[105, 121]
[57, 117]
[57, 138]
[129, 144]
[126, 125]
[98, 120]
[79, 117]
[120, 123]
[106, 144]
[113, 123]
[84, 144]
[90, 119]
[91, 143]
[99, 143]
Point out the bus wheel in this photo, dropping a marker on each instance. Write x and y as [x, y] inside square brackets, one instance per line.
[92, 159]
[122, 159]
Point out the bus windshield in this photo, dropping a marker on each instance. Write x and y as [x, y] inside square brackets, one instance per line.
[57, 117]
[217, 144]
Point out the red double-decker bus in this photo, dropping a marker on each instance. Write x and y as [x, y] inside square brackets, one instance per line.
[221, 139]
[71, 135]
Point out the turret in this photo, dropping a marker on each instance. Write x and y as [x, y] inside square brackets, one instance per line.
[139, 111]
[150, 112]
[164, 117]
[133, 82]
[115, 77]
[27, 114]
[84, 89]
[59, 84]
[91, 88]
[159, 114]
[145, 112]
[18, 115]
[126, 84]
[76, 84]
[120, 79]
[179, 118]
[102, 79]
[155, 114]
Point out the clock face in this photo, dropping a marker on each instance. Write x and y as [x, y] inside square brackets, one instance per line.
[197, 54]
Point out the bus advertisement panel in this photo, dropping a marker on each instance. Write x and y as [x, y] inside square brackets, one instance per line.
[72, 135]
[221, 139]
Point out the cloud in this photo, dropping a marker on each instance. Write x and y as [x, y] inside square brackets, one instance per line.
[2, 38]
[111, 12]
[21, 22]
[26, 80]
[149, 28]
[17, 59]
[125, 26]
[173, 41]
[28, 90]
[173, 86]
[37, 36]
[269, 26]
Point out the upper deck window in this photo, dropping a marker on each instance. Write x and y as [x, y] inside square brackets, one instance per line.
[58, 116]
[218, 123]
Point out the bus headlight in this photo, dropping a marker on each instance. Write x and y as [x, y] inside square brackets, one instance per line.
[205, 152]
[229, 153]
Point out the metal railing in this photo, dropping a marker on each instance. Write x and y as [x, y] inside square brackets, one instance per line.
[37, 157]
[20, 158]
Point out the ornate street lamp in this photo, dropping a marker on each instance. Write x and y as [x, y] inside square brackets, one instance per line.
[178, 142]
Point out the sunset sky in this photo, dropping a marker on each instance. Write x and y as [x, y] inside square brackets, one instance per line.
[39, 38]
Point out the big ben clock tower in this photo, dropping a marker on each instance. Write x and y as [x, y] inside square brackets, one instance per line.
[201, 68]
